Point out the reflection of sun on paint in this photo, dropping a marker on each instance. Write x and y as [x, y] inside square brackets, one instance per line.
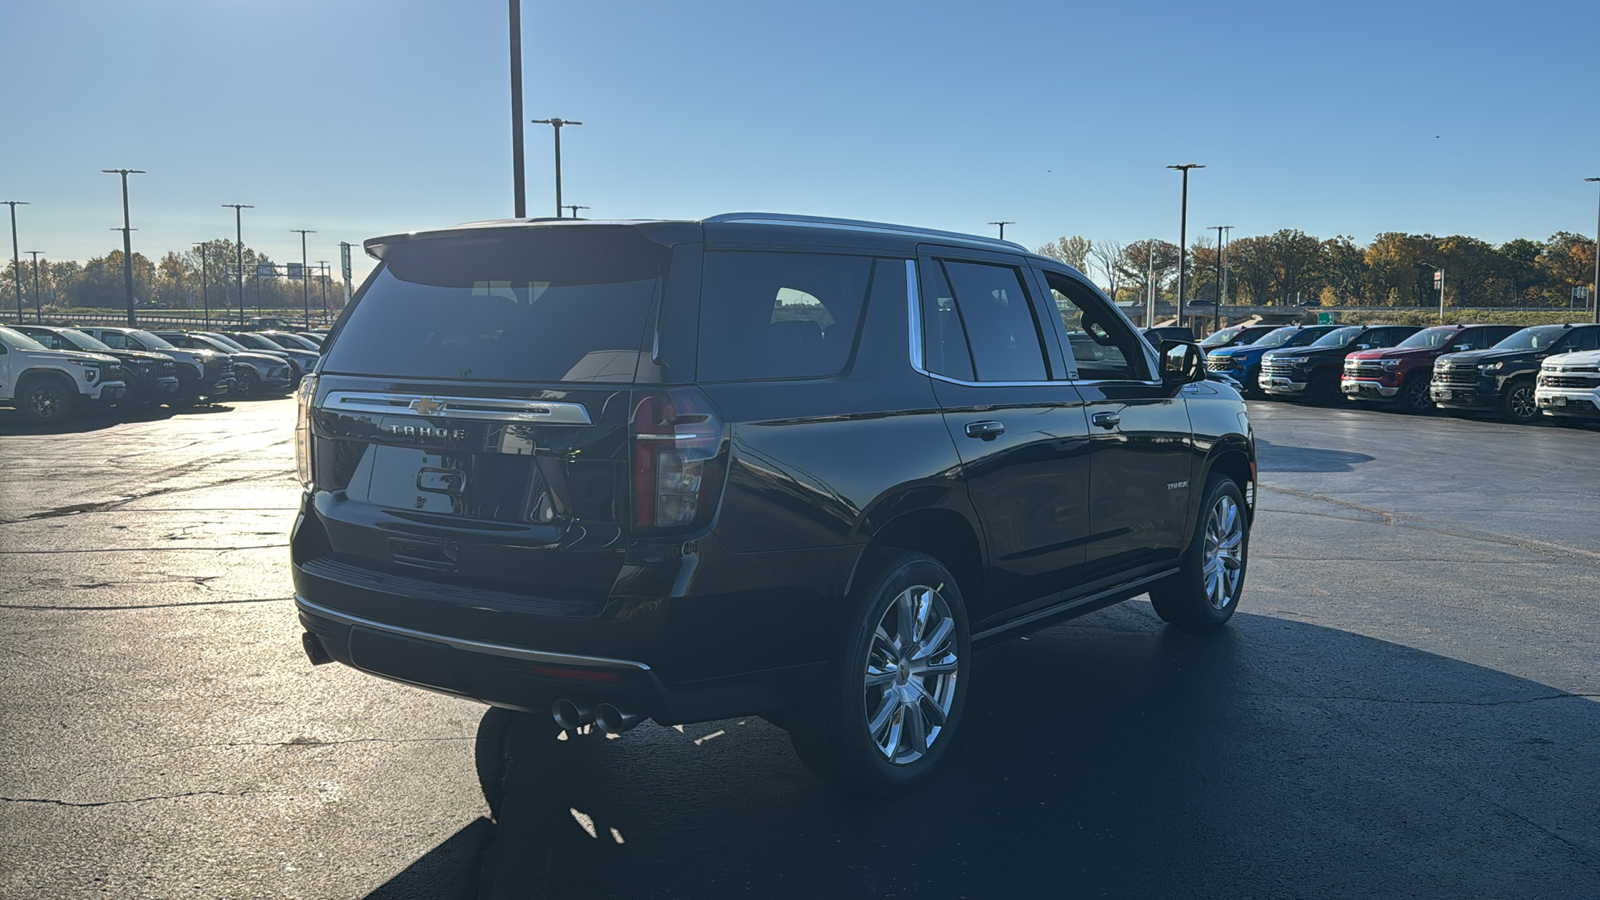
[714, 734]
[617, 836]
[586, 823]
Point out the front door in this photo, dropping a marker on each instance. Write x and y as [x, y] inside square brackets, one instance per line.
[1020, 432]
[1141, 487]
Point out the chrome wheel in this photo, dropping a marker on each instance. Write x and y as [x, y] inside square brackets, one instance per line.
[910, 678]
[1521, 404]
[1224, 543]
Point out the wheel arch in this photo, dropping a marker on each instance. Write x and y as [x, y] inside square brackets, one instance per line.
[942, 533]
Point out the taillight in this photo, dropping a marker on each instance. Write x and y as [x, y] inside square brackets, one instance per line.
[678, 459]
[302, 430]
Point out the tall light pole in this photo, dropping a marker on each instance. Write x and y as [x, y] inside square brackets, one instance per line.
[1003, 223]
[127, 238]
[323, 265]
[1438, 279]
[519, 190]
[305, 285]
[557, 124]
[238, 246]
[1183, 231]
[38, 307]
[1594, 293]
[574, 207]
[16, 258]
[1222, 272]
[205, 298]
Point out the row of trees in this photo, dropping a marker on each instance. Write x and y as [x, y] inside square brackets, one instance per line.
[1395, 269]
[173, 282]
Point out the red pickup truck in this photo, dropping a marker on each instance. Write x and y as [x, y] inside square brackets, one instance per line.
[1400, 374]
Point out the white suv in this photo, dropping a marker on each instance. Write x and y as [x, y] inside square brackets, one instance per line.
[1569, 385]
[46, 385]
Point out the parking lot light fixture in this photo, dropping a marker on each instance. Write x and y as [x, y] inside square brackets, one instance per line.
[127, 238]
[16, 258]
[1183, 230]
[238, 246]
[1594, 292]
[205, 298]
[305, 286]
[38, 308]
[557, 125]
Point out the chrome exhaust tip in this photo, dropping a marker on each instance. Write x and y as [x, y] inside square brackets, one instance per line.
[612, 720]
[571, 715]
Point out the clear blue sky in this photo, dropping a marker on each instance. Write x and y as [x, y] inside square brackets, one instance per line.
[360, 117]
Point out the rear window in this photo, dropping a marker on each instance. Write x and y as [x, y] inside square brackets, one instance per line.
[548, 305]
[779, 315]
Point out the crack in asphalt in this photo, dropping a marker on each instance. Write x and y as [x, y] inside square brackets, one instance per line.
[95, 803]
[107, 505]
[1399, 520]
[143, 549]
[45, 607]
[1418, 702]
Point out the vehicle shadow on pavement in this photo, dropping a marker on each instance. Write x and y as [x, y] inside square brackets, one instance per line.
[1110, 756]
[1272, 457]
[12, 422]
[447, 871]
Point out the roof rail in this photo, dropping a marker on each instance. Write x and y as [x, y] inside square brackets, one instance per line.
[756, 218]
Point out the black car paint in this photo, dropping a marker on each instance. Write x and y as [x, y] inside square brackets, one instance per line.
[734, 618]
[1488, 391]
[1325, 365]
[149, 381]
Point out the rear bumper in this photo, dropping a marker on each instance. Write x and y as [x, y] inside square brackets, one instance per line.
[679, 632]
[531, 680]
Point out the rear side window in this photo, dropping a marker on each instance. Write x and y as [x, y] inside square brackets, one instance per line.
[978, 325]
[541, 305]
[779, 315]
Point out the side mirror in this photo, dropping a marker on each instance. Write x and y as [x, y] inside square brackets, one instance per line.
[1181, 363]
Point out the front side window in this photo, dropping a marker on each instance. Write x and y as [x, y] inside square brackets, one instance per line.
[1104, 348]
[1431, 338]
[1583, 339]
[779, 315]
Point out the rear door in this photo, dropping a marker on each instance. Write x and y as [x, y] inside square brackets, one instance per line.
[1019, 430]
[1141, 487]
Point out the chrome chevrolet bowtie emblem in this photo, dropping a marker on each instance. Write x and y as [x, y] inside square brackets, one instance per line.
[427, 406]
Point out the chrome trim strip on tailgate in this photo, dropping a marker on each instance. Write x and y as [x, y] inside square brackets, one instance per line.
[541, 412]
[540, 656]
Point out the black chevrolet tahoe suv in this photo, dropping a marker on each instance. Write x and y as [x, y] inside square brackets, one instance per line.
[1503, 377]
[756, 464]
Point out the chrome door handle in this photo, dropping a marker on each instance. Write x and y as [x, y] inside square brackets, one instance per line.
[987, 430]
[1106, 419]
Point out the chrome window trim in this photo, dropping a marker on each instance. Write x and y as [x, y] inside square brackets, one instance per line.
[471, 646]
[485, 409]
[914, 312]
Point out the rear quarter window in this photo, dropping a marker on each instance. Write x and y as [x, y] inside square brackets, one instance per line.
[779, 315]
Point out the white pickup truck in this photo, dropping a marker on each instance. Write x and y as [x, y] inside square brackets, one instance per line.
[48, 385]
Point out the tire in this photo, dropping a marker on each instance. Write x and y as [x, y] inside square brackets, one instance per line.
[246, 382]
[1252, 384]
[915, 690]
[489, 755]
[1517, 403]
[1322, 390]
[1414, 396]
[1205, 592]
[47, 400]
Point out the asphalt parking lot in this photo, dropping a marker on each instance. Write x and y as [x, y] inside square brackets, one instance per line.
[1404, 706]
